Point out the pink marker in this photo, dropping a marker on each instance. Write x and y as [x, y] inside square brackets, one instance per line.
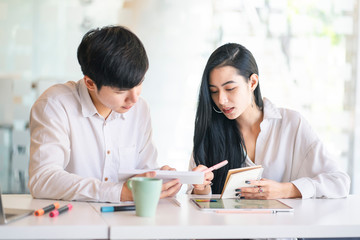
[56, 212]
[216, 166]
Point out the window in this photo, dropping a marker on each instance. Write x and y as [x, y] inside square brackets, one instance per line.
[307, 52]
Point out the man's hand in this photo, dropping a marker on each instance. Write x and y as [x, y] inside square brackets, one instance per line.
[168, 189]
[172, 187]
[126, 194]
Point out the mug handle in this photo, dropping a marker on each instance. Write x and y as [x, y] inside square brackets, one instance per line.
[129, 184]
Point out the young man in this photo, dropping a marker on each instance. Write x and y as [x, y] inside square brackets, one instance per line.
[83, 132]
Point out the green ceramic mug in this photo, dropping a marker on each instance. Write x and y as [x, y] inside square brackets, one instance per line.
[146, 193]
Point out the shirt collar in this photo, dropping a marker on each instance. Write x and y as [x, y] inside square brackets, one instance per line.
[87, 106]
[114, 115]
[123, 115]
[270, 110]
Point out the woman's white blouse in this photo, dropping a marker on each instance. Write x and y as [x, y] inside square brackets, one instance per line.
[290, 151]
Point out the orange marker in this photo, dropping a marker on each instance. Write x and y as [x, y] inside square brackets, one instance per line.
[47, 209]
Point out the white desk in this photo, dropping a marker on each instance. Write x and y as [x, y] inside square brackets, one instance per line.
[82, 222]
[311, 218]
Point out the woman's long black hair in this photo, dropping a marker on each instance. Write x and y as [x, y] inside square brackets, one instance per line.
[217, 138]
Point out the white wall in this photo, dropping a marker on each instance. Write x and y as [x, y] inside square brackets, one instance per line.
[303, 58]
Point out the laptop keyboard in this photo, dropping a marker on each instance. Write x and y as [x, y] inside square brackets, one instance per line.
[9, 215]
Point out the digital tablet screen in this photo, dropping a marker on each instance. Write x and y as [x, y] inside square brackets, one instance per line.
[234, 204]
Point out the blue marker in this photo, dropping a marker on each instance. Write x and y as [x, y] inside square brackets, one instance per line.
[118, 208]
[206, 200]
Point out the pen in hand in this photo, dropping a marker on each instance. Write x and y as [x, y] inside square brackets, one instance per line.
[216, 166]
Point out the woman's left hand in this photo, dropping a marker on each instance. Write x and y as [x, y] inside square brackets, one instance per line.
[269, 189]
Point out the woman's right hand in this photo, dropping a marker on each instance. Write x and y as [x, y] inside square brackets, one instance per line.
[208, 177]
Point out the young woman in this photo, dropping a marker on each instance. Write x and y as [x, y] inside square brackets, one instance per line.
[234, 122]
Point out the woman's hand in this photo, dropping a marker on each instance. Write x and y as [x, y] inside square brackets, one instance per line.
[269, 189]
[208, 177]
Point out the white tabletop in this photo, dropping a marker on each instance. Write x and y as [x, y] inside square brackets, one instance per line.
[82, 222]
[311, 218]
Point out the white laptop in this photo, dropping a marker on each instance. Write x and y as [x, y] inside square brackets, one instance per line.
[11, 214]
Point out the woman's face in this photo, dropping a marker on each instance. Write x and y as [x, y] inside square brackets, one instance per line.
[231, 92]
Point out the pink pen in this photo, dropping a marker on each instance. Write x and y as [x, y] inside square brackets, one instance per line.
[216, 166]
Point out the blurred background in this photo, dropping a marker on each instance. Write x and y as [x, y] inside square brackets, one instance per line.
[307, 52]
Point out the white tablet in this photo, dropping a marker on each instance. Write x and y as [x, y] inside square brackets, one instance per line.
[241, 205]
[185, 177]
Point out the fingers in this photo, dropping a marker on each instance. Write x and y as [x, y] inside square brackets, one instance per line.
[200, 186]
[252, 193]
[209, 176]
[259, 189]
[169, 184]
[170, 188]
[168, 168]
[147, 174]
[256, 182]
[252, 190]
[126, 194]
[200, 168]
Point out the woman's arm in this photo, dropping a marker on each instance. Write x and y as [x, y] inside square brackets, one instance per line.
[269, 189]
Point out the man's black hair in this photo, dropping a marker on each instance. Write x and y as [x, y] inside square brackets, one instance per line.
[113, 56]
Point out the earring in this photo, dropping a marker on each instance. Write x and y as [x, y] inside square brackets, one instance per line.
[216, 110]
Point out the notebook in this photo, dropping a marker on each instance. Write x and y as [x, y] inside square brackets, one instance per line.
[232, 205]
[236, 179]
[11, 214]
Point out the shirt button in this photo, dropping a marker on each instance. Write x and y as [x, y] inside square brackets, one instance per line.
[108, 152]
[106, 179]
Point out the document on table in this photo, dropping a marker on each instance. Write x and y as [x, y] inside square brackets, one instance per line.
[185, 177]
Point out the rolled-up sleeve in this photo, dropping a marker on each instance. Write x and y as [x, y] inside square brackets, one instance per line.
[319, 176]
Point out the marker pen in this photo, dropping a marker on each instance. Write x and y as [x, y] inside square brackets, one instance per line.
[117, 208]
[46, 209]
[65, 208]
[205, 200]
[216, 166]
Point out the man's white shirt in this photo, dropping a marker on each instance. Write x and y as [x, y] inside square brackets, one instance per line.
[75, 153]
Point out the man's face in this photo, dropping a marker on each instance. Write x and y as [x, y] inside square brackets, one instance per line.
[109, 99]
[118, 100]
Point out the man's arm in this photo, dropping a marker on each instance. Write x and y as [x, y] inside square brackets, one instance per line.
[49, 156]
